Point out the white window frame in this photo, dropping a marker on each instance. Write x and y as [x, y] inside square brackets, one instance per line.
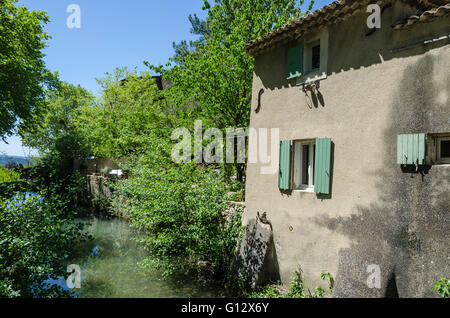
[297, 166]
[308, 56]
[439, 158]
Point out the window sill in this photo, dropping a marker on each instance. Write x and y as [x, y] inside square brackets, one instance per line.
[304, 190]
[311, 77]
[441, 164]
[294, 76]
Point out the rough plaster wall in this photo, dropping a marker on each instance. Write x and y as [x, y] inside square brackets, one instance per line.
[376, 214]
[406, 231]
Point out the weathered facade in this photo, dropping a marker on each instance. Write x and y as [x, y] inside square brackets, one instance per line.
[356, 91]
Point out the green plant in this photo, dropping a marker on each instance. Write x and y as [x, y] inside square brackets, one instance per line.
[178, 209]
[442, 287]
[36, 237]
[326, 275]
[320, 291]
[23, 73]
[269, 291]
[296, 286]
[203, 87]
[8, 175]
[130, 108]
[101, 202]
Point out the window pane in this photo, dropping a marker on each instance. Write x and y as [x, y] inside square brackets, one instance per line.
[316, 57]
[305, 165]
[445, 149]
[297, 165]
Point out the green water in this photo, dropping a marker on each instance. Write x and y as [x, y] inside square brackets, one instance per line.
[109, 266]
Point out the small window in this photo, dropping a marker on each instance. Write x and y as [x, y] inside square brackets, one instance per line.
[443, 149]
[306, 165]
[303, 165]
[315, 63]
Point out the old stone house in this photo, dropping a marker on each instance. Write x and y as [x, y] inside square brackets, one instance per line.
[363, 185]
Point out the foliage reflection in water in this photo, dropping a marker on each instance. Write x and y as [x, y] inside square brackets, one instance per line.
[111, 268]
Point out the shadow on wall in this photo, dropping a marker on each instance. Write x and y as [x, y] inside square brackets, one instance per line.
[406, 232]
[257, 262]
[314, 98]
[351, 48]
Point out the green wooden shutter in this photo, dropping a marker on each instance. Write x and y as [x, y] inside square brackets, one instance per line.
[295, 61]
[322, 166]
[411, 149]
[284, 173]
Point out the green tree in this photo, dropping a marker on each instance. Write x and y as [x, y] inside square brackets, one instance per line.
[213, 81]
[217, 76]
[183, 48]
[130, 107]
[58, 134]
[23, 75]
[59, 119]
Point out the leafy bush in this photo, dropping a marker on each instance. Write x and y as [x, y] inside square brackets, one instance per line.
[442, 287]
[178, 208]
[8, 175]
[269, 291]
[296, 288]
[101, 203]
[35, 238]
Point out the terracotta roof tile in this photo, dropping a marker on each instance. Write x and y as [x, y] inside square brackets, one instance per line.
[425, 17]
[335, 12]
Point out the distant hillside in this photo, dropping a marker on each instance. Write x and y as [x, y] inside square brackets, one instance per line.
[17, 159]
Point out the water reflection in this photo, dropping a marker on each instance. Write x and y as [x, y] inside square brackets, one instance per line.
[111, 268]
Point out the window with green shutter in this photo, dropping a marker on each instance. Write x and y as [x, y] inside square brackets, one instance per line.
[284, 173]
[295, 61]
[322, 166]
[411, 149]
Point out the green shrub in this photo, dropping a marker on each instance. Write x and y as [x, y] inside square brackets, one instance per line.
[8, 175]
[296, 288]
[178, 208]
[442, 287]
[35, 238]
[269, 291]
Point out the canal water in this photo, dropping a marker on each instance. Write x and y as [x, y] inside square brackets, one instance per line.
[110, 267]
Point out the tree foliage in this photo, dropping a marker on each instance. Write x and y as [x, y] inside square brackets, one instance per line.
[35, 238]
[215, 78]
[130, 108]
[61, 117]
[212, 77]
[8, 175]
[23, 75]
[178, 207]
[178, 210]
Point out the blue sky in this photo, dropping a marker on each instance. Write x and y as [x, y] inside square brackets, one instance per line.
[113, 33]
